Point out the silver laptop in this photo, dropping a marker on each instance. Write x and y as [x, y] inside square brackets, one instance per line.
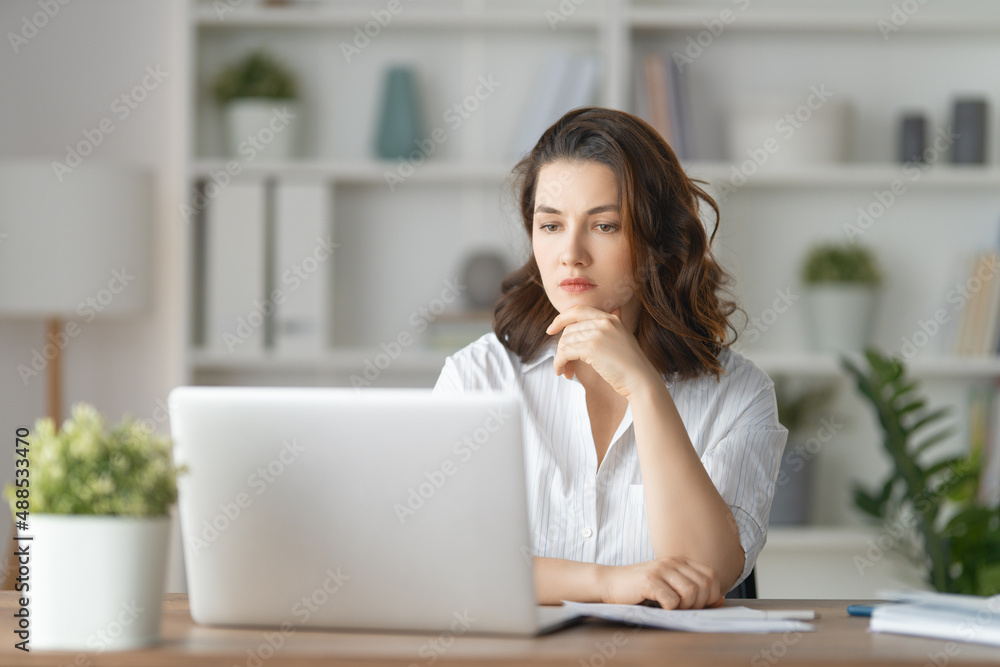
[387, 509]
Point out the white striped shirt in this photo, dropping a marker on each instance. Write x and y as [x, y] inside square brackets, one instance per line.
[598, 515]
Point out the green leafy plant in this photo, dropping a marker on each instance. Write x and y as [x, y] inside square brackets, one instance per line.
[257, 75]
[82, 469]
[956, 539]
[841, 263]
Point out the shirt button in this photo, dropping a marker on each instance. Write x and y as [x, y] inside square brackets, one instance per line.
[587, 533]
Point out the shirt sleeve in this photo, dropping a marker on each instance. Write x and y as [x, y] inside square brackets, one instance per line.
[744, 463]
[450, 379]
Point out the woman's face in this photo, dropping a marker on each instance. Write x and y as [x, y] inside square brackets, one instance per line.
[578, 242]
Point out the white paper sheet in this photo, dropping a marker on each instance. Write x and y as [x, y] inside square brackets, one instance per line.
[723, 619]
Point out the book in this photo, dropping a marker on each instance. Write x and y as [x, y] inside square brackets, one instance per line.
[662, 100]
[967, 618]
[564, 81]
[235, 312]
[302, 268]
[989, 474]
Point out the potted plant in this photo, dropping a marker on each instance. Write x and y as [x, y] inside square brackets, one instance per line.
[928, 507]
[95, 505]
[841, 290]
[258, 94]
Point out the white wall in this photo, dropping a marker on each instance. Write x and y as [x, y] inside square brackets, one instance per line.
[61, 82]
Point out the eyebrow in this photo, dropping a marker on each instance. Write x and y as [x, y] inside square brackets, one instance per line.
[542, 208]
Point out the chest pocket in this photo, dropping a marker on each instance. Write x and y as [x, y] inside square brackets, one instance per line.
[636, 546]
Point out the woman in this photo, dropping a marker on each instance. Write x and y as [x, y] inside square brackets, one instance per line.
[651, 447]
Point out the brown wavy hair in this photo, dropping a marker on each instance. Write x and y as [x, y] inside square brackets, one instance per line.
[685, 303]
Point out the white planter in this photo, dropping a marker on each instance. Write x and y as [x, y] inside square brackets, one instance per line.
[261, 129]
[96, 582]
[784, 131]
[839, 317]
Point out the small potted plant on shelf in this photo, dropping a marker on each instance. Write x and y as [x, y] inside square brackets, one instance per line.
[841, 293]
[930, 505]
[258, 95]
[92, 508]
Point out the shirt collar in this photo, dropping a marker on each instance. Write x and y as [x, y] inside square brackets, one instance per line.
[546, 352]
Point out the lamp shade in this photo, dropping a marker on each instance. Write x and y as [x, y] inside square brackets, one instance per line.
[75, 248]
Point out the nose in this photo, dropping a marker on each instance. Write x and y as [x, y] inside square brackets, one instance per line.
[574, 250]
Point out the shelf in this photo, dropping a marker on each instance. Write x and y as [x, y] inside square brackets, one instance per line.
[336, 17]
[362, 172]
[838, 538]
[416, 360]
[431, 360]
[807, 176]
[853, 175]
[785, 20]
[815, 365]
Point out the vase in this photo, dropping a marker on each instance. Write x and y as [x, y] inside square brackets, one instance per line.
[261, 128]
[96, 582]
[791, 504]
[839, 318]
[400, 124]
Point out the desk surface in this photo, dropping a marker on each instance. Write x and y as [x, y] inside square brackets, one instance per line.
[839, 639]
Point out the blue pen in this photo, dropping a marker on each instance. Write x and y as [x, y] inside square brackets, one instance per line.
[860, 609]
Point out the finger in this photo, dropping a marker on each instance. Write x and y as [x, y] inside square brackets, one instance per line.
[713, 585]
[688, 590]
[575, 314]
[665, 595]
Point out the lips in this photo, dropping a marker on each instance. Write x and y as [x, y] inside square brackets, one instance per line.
[576, 285]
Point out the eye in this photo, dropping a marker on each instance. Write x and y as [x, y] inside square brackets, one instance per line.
[607, 227]
[548, 226]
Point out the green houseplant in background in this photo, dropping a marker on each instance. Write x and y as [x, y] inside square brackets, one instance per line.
[258, 95]
[841, 292]
[930, 504]
[96, 504]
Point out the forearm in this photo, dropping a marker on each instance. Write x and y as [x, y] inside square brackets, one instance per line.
[687, 516]
[557, 579]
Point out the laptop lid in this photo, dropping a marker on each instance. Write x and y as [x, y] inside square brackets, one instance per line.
[388, 509]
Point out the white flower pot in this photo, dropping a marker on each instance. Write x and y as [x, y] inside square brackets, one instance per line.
[839, 318]
[261, 128]
[96, 582]
[784, 131]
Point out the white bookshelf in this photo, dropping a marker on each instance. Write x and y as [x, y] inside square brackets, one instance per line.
[398, 247]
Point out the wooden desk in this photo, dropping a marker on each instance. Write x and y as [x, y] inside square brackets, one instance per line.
[839, 640]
